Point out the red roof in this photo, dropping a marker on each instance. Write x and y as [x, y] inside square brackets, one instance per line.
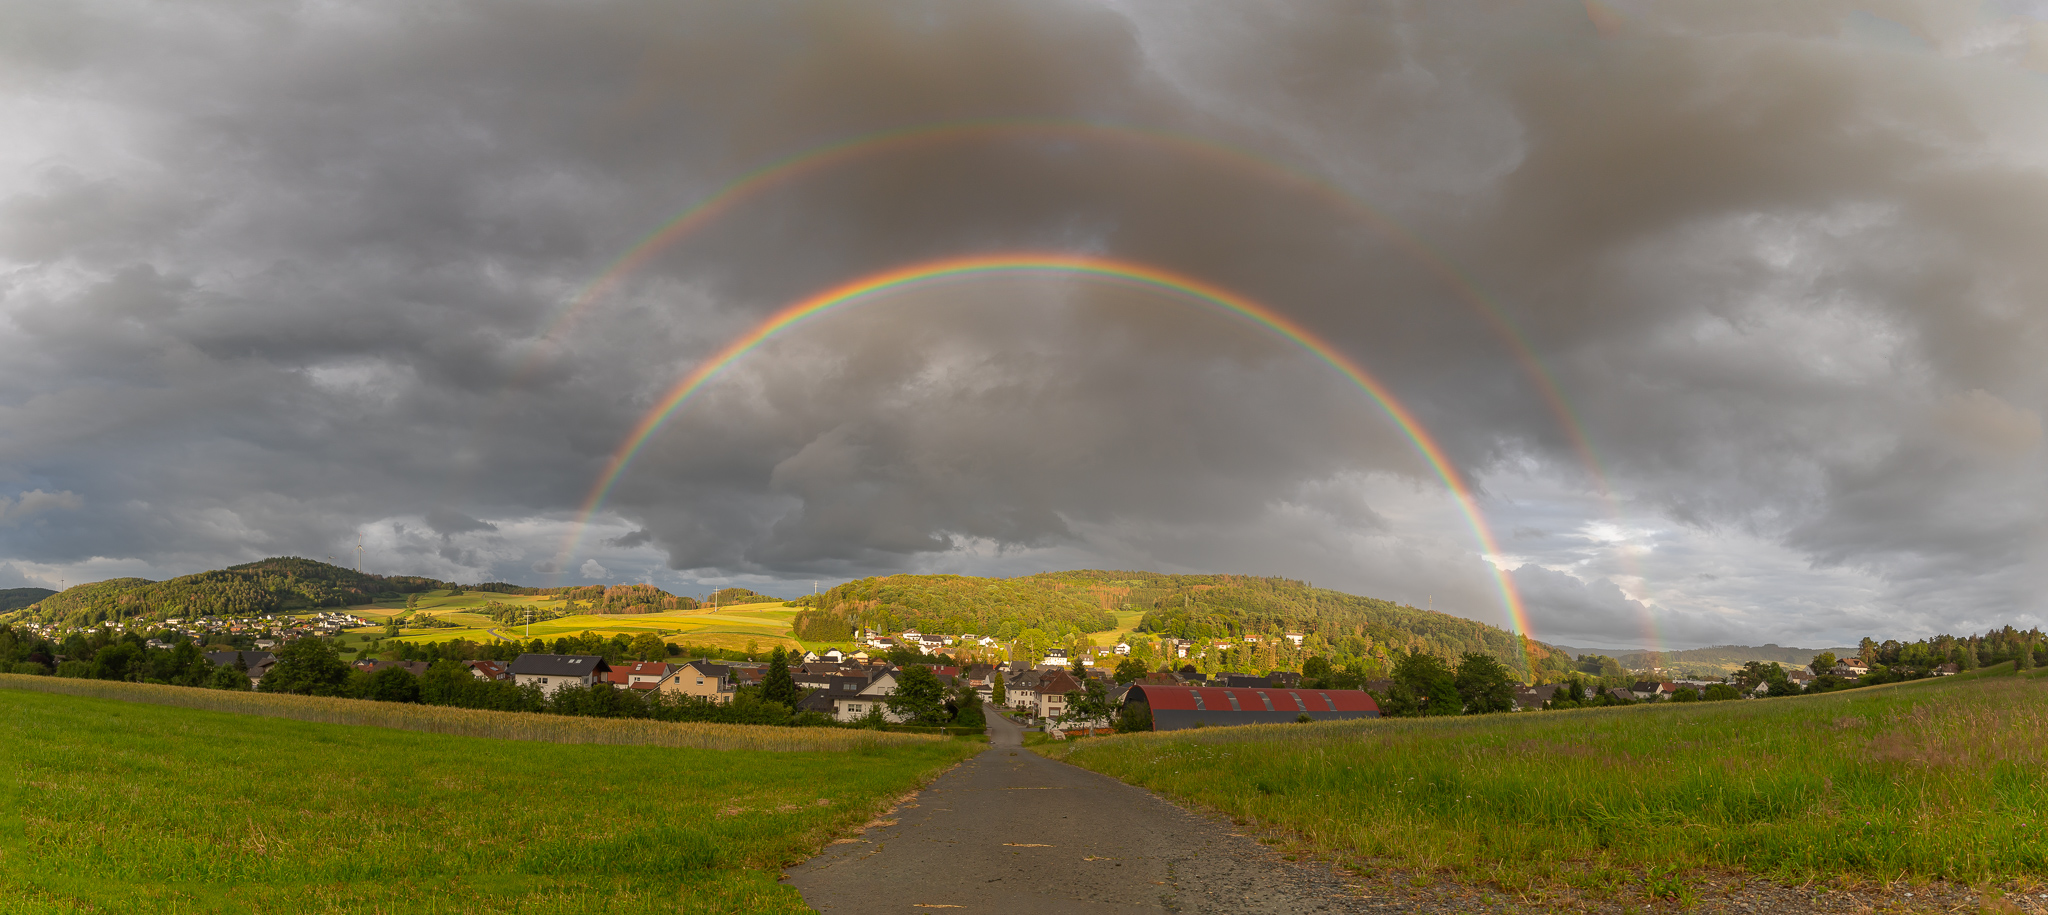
[1218, 699]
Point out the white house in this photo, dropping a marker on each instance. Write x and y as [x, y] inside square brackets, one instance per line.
[551, 672]
[876, 695]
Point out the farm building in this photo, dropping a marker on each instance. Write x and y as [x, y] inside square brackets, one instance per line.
[1178, 707]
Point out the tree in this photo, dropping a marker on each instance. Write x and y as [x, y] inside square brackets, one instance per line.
[1315, 673]
[648, 647]
[777, 685]
[1484, 685]
[391, 684]
[919, 697]
[230, 677]
[1130, 670]
[1089, 705]
[309, 667]
[1431, 686]
[1718, 692]
[1134, 716]
[999, 695]
[967, 709]
[1823, 662]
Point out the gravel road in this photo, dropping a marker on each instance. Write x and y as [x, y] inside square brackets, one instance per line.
[1011, 831]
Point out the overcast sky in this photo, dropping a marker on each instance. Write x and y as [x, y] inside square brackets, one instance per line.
[276, 277]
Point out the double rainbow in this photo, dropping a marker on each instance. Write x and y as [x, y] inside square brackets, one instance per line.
[1103, 269]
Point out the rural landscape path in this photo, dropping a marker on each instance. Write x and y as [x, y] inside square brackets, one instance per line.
[1011, 831]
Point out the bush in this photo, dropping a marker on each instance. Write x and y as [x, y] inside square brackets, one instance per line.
[1135, 716]
[31, 668]
[77, 670]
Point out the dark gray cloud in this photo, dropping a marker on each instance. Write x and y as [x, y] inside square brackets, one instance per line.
[274, 279]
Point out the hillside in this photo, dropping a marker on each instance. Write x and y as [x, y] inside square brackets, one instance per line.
[17, 598]
[1346, 628]
[284, 583]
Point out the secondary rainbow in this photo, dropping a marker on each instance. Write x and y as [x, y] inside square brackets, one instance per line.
[1097, 268]
[729, 196]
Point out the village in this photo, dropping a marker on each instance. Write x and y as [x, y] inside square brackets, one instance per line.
[847, 686]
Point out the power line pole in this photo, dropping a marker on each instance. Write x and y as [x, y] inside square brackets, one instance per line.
[359, 554]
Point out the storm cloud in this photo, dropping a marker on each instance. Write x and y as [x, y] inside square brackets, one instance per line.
[1730, 313]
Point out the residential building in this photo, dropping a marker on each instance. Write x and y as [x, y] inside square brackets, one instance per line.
[701, 678]
[551, 672]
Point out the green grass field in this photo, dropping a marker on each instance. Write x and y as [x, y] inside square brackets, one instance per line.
[115, 806]
[1942, 779]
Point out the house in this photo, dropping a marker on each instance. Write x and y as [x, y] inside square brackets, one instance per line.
[488, 670]
[1295, 638]
[639, 674]
[872, 696]
[1652, 690]
[1799, 676]
[1248, 681]
[1530, 698]
[1178, 707]
[1850, 668]
[257, 662]
[416, 668]
[1055, 657]
[1122, 649]
[835, 656]
[1947, 670]
[551, 672]
[1049, 695]
[700, 678]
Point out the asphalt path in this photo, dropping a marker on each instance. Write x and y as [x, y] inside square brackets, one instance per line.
[1010, 831]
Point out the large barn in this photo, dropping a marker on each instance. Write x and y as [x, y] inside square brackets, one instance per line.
[1177, 707]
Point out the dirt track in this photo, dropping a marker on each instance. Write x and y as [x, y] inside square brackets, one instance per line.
[1010, 831]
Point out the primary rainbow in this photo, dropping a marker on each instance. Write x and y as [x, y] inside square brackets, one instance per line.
[1099, 268]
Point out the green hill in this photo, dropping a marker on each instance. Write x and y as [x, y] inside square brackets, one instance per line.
[17, 598]
[284, 583]
[1344, 627]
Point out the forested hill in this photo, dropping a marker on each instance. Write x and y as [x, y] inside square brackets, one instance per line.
[279, 584]
[1342, 627]
[17, 598]
[958, 604]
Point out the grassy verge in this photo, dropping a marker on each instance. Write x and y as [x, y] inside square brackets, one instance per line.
[472, 723]
[119, 806]
[1930, 780]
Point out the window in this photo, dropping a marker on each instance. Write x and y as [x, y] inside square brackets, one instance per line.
[853, 708]
[543, 681]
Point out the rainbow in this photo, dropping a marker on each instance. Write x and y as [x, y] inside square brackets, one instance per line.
[1099, 268]
[824, 157]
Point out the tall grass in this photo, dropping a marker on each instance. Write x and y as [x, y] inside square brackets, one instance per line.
[1936, 779]
[125, 807]
[469, 722]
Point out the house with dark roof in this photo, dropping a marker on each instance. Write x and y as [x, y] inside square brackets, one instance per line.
[257, 662]
[551, 672]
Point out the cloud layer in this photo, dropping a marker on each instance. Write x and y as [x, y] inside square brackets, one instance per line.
[276, 278]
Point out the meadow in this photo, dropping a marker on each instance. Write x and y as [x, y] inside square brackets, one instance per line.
[1931, 780]
[438, 719]
[130, 807]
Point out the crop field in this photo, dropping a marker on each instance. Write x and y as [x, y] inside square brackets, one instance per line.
[765, 625]
[1931, 780]
[129, 807]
